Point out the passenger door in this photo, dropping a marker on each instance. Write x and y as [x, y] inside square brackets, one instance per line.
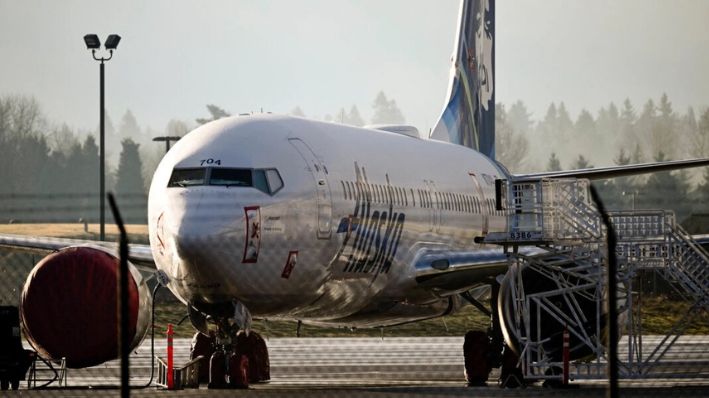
[322, 187]
[484, 210]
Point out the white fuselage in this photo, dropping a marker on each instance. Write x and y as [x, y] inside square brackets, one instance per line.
[337, 241]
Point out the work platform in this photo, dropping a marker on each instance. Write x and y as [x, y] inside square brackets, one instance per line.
[560, 217]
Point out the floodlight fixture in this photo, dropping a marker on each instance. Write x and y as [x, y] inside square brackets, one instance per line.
[112, 42]
[92, 42]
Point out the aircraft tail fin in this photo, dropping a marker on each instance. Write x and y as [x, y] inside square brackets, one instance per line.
[469, 115]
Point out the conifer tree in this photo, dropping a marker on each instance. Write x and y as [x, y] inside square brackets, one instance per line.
[554, 164]
[129, 178]
[386, 111]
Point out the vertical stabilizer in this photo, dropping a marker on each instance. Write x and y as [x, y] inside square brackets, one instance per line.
[469, 116]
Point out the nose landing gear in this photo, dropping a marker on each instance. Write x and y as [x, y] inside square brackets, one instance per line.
[239, 356]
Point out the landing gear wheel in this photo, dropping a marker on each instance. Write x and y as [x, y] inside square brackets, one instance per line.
[4, 384]
[15, 384]
[238, 371]
[476, 353]
[255, 349]
[205, 346]
[217, 371]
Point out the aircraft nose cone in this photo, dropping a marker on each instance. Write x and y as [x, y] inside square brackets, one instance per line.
[205, 233]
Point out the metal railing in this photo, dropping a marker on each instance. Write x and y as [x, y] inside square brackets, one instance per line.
[559, 216]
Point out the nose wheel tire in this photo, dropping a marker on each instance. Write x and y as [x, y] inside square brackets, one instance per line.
[254, 348]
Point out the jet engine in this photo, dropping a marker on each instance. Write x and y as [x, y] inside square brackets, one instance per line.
[69, 306]
[538, 300]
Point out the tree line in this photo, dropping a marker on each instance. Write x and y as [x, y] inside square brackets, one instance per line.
[384, 111]
[49, 170]
[614, 135]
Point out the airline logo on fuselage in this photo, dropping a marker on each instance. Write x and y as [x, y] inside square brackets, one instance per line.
[371, 237]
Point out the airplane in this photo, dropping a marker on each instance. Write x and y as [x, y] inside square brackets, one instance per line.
[279, 217]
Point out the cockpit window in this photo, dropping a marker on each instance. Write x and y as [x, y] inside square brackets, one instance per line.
[231, 177]
[187, 177]
[275, 183]
[259, 177]
[265, 180]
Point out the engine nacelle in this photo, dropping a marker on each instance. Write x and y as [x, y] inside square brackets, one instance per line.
[69, 306]
[537, 306]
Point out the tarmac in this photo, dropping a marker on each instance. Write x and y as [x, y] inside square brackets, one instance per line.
[389, 367]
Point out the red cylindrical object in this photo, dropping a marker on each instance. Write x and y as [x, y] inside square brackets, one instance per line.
[170, 363]
[565, 356]
[68, 307]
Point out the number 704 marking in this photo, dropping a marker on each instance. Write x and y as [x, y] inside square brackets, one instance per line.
[210, 161]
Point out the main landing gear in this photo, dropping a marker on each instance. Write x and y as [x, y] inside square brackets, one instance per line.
[236, 355]
[485, 350]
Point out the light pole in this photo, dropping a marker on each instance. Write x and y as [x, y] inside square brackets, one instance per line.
[93, 43]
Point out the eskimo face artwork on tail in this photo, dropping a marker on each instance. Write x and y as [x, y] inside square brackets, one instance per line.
[469, 116]
[483, 49]
[253, 234]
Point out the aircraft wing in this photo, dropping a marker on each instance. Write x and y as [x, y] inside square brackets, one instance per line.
[446, 272]
[139, 255]
[450, 272]
[600, 173]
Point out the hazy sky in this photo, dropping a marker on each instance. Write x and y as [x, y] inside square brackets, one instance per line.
[177, 56]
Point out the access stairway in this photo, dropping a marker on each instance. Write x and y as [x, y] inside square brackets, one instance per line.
[560, 217]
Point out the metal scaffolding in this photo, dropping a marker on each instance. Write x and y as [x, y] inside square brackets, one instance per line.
[559, 217]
